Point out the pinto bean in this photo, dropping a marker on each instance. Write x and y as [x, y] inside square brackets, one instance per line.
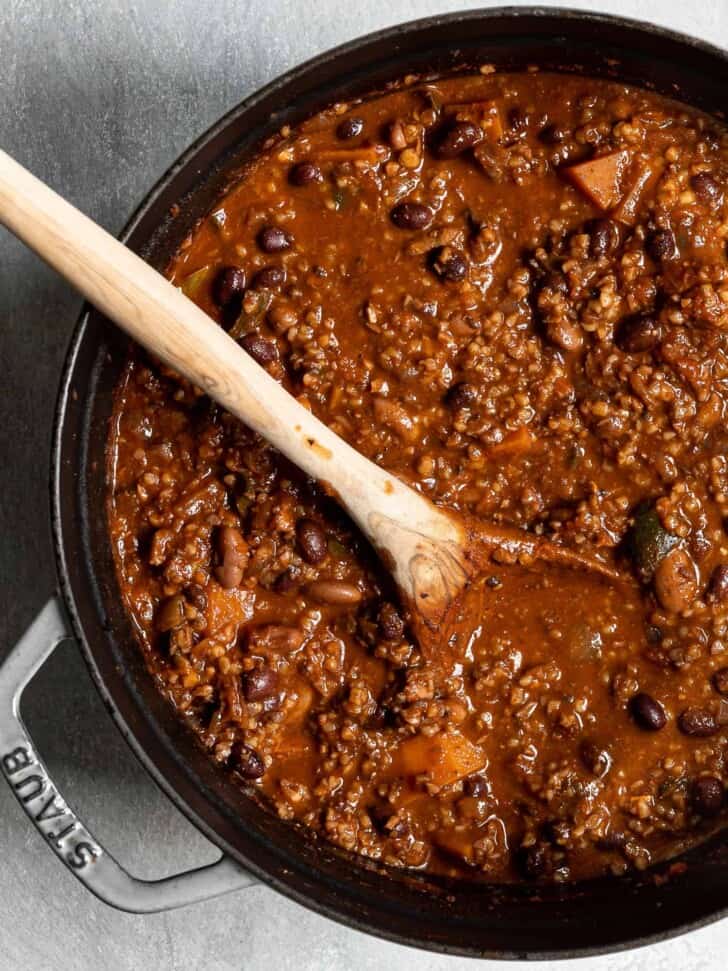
[337, 593]
[676, 580]
[171, 613]
[234, 556]
[247, 762]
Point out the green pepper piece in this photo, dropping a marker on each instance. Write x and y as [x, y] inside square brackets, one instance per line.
[649, 542]
[192, 283]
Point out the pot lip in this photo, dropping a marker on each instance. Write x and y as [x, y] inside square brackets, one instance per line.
[276, 880]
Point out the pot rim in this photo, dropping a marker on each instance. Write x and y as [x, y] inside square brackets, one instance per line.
[559, 15]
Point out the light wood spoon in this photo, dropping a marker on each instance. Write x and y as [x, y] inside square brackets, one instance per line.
[431, 553]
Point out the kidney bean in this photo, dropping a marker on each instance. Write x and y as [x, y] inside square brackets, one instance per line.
[662, 246]
[229, 285]
[698, 723]
[456, 139]
[596, 758]
[720, 681]
[270, 277]
[637, 334]
[349, 128]
[247, 761]
[391, 624]
[337, 593]
[708, 795]
[605, 237]
[287, 580]
[706, 189]
[553, 134]
[647, 712]
[171, 613]
[461, 395]
[259, 683]
[261, 350]
[676, 580]
[304, 173]
[718, 585]
[234, 556]
[411, 215]
[448, 264]
[312, 540]
[274, 239]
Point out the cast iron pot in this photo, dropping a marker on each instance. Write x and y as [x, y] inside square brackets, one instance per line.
[411, 908]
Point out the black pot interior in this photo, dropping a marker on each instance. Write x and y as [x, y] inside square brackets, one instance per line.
[470, 919]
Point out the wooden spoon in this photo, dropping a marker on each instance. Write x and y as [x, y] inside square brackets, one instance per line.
[431, 553]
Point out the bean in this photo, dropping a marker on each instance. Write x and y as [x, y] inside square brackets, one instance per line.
[247, 761]
[457, 138]
[596, 758]
[229, 285]
[275, 638]
[287, 580]
[411, 215]
[312, 540]
[270, 277]
[647, 713]
[605, 237]
[718, 585]
[461, 395]
[706, 189]
[261, 350]
[518, 121]
[720, 681]
[274, 239]
[662, 246]
[171, 613]
[676, 581]
[534, 861]
[707, 795]
[233, 552]
[565, 334]
[337, 593]
[637, 334]
[698, 723]
[448, 264]
[259, 683]
[390, 621]
[304, 173]
[350, 128]
[476, 787]
[553, 134]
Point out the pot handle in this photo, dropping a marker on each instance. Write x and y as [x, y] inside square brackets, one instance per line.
[72, 843]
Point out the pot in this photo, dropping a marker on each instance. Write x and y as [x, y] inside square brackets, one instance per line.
[507, 921]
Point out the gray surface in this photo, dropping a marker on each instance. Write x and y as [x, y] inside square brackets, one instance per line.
[98, 98]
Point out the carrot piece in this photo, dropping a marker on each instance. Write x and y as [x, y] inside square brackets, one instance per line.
[600, 179]
[514, 443]
[444, 757]
[233, 606]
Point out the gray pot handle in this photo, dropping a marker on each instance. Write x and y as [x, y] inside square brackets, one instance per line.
[72, 843]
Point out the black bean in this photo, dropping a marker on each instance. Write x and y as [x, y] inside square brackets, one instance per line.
[390, 622]
[647, 713]
[350, 128]
[654, 634]
[637, 334]
[304, 173]
[229, 285]
[270, 277]
[596, 758]
[261, 350]
[259, 683]
[698, 723]
[456, 139]
[707, 795]
[247, 761]
[518, 121]
[718, 585]
[273, 239]
[171, 613]
[534, 861]
[447, 263]
[411, 215]
[706, 189]
[312, 540]
[662, 246]
[461, 395]
[605, 237]
[476, 787]
[553, 134]
[720, 681]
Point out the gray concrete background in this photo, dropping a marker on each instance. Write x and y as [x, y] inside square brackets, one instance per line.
[98, 98]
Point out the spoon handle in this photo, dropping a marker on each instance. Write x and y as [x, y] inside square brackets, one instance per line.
[158, 316]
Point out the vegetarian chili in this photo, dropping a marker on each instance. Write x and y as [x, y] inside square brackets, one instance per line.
[511, 291]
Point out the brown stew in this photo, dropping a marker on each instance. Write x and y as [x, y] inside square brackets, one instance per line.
[511, 291]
